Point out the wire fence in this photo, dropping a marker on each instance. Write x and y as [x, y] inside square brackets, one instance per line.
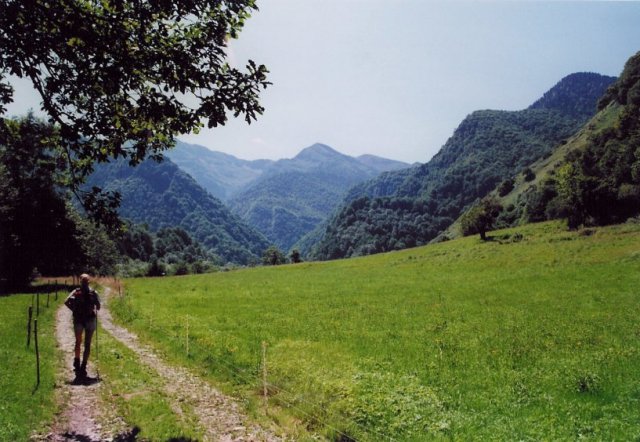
[187, 330]
[51, 289]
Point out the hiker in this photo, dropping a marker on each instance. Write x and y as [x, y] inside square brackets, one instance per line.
[84, 302]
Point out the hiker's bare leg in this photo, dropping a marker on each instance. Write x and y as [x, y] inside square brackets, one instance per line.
[78, 342]
[76, 359]
[88, 335]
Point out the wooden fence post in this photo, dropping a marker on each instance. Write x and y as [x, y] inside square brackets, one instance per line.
[29, 326]
[187, 336]
[264, 374]
[35, 336]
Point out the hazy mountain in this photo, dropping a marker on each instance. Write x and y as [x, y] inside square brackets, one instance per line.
[381, 164]
[161, 195]
[221, 174]
[293, 195]
[410, 207]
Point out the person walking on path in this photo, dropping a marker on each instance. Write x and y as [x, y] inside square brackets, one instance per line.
[84, 302]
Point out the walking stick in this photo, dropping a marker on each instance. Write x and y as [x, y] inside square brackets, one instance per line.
[97, 353]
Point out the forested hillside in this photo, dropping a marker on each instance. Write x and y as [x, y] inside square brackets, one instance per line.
[487, 148]
[221, 174]
[294, 195]
[575, 94]
[595, 177]
[161, 195]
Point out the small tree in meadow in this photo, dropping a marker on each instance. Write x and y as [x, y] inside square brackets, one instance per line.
[273, 256]
[295, 256]
[481, 217]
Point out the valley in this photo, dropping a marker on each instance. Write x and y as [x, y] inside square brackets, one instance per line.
[319, 292]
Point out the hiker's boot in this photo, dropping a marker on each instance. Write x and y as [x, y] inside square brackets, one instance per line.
[76, 366]
[83, 369]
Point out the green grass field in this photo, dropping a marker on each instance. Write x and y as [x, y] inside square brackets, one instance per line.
[534, 335]
[25, 409]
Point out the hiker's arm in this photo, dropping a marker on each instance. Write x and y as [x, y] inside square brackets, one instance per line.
[97, 301]
[70, 301]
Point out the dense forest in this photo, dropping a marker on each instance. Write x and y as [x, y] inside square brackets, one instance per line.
[40, 230]
[487, 148]
[168, 251]
[160, 195]
[575, 94]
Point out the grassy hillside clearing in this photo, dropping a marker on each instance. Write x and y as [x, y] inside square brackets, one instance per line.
[545, 167]
[25, 409]
[534, 335]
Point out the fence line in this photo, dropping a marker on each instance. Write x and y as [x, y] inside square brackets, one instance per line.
[35, 339]
[35, 302]
[253, 379]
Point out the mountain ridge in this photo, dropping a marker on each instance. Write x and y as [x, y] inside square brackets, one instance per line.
[294, 195]
[219, 173]
[408, 208]
[162, 195]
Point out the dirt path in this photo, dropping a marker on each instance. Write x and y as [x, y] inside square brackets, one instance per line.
[87, 419]
[84, 418]
[218, 415]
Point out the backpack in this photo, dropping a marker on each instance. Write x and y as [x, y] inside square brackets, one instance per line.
[83, 305]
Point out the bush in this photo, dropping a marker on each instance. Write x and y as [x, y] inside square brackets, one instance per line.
[157, 268]
[181, 268]
[505, 187]
[528, 174]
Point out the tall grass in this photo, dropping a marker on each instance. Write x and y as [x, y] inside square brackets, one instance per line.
[25, 407]
[532, 335]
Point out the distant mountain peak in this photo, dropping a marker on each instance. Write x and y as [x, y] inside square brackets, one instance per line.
[575, 94]
[319, 152]
[321, 147]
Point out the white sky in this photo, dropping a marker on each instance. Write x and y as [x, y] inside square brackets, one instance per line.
[395, 77]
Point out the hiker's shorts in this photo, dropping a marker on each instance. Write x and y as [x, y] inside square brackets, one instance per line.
[88, 325]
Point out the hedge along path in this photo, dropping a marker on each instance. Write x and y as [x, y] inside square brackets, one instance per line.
[219, 416]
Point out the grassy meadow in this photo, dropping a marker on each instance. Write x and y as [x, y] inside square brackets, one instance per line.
[533, 335]
[26, 407]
